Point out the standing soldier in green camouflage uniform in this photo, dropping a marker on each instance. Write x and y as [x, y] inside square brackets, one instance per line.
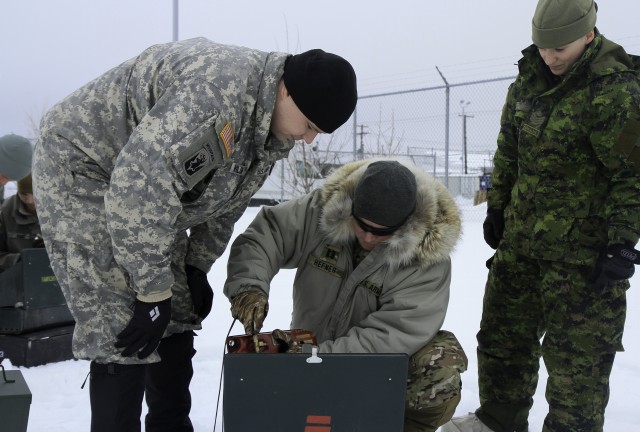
[139, 177]
[371, 248]
[564, 215]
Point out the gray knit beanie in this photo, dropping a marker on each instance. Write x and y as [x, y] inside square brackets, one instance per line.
[385, 194]
[559, 22]
[15, 156]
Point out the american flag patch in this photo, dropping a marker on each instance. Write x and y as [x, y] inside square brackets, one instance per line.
[226, 135]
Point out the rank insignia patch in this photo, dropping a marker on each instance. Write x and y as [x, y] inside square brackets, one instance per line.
[330, 254]
[226, 135]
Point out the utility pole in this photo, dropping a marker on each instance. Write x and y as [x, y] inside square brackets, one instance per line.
[464, 116]
[362, 133]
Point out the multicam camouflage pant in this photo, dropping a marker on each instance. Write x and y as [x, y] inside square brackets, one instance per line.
[434, 384]
[526, 299]
[73, 220]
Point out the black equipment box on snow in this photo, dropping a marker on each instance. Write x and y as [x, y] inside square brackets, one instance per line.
[319, 392]
[15, 401]
[38, 347]
[30, 296]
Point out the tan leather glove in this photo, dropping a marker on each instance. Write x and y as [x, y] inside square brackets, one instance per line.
[251, 308]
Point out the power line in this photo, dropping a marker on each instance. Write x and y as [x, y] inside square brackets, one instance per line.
[460, 72]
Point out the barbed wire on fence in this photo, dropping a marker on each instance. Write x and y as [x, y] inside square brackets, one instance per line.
[449, 130]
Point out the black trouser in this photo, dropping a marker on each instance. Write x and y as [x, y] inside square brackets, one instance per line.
[167, 386]
[116, 391]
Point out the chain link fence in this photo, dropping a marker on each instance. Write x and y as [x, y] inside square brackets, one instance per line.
[449, 130]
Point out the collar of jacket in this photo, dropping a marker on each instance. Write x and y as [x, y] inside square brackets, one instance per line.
[531, 63]
[602, 57]
[266, 101]
[428, 237]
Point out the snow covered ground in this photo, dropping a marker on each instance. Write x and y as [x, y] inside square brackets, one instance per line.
[60, 405]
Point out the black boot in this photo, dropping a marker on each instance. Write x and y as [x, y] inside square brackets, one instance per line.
[167, 385]
[116, 391]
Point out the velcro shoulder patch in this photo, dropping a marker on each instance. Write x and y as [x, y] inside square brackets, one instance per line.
[204, 150]
[628, 144]
[226, 138]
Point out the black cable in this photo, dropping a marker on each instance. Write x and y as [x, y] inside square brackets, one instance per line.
[4, 376]
[215, 421]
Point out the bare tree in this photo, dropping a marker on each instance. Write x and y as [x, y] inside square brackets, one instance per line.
[308, 164]
[387, 142]
[33, 119]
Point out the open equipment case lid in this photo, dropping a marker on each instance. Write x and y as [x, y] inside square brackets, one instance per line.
[314, 392]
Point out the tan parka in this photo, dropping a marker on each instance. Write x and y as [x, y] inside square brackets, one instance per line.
[395, 300]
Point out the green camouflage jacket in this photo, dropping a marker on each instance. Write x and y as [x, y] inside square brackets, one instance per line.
[564, 171]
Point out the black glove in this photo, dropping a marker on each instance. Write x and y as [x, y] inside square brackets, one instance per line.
[144, 331]
[493, 227]
[38, 242]
[489, 262]
[251, 308]
[201, 292]
[616, 265]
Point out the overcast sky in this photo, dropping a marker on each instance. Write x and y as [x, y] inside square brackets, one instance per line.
[49, 48]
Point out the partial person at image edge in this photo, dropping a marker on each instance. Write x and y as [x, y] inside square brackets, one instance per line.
[564, 216]
[19, 225]
[15, 159]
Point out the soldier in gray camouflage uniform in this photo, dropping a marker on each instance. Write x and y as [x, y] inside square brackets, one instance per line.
[564, 215]
[140, 176]
[371, 248]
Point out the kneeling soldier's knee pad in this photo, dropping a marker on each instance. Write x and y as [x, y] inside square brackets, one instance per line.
[434, 372]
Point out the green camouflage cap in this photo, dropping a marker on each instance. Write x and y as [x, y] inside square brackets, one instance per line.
[559, 22]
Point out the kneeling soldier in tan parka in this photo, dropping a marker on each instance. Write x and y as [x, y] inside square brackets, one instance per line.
[371, 248]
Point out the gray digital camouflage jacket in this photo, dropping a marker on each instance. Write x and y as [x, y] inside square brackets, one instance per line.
[565, 171]
[395, 300]
[176, 138]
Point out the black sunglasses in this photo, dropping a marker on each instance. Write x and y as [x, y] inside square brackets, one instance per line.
[378, 232]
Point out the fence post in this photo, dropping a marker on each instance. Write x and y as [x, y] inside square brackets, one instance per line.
[446, 130]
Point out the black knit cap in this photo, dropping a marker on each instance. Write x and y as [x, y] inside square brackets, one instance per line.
[385, 194]
[323, 87]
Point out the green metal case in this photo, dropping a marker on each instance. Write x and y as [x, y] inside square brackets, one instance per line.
[15, 402]
[30, 296]
[39, 347]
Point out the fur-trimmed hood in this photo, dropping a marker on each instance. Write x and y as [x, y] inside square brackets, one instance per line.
[430, 234]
